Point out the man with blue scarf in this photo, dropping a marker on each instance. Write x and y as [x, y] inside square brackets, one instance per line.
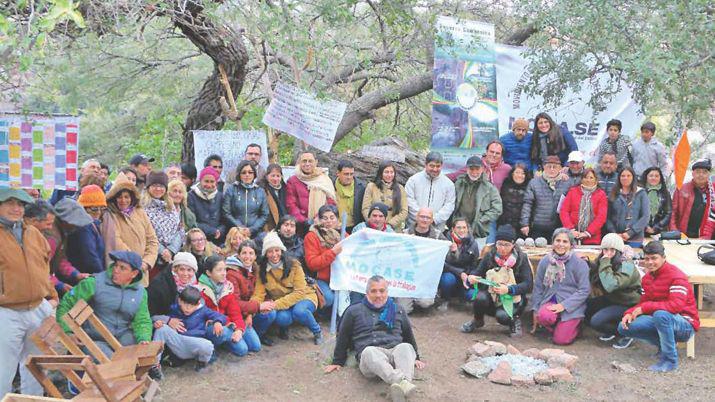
[381, 336]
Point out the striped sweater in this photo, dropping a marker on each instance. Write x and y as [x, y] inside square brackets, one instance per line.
[668, 289]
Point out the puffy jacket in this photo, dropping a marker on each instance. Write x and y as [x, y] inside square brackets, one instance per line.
[683, 200]
[245, 206]
[425, 192]
[512, 198]
[297, 195]
[522, 271]
[661, 220]
[85, 249]
[621, 285]
[225, 303]
[197, 322]
[668, 289]
[516, 151]
[209, 213]
[570, 212]
[540, 203]
[464, 259]
[489, 205]
[631, 218]
[607, 181]
[244, 283]
[373, 194]
[285, 292]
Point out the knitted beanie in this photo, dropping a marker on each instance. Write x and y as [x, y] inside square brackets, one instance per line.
[187, 259]
[157, 177]
[270, 241]
[612, 240]
[380, 207]
[520, 123]
[92, 196]
[210, 171]
[506, 233]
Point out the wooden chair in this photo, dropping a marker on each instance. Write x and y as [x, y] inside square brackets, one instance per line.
[147, 355]
[114, 381]
[47, 338]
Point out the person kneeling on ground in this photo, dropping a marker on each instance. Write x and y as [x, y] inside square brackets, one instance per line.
[281, 280]
[561, 289]
[616, 285]
[508, 266]
[381, 336]
[218, 294]
[201, 325]
[666, 312]
[462, 257]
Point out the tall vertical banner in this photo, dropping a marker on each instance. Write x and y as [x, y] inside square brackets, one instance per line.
[229, 145]
[573, 112]
[464, 96]
[39, 151]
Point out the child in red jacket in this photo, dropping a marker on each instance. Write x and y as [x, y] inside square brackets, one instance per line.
[666, 312]
[218, 295]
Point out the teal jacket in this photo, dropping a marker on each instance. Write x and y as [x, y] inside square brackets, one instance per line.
[120, 308]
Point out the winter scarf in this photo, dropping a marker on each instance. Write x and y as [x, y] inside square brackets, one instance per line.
[319, 186]
[218, 289]
[328, 237]
[585, 208]
[204, 195]
[180, 286]
[653, 198]
[127, 211]
[556, 269]
[388, 312]
[503, 273]
[165, 223]
[270, 265]
[551, 181]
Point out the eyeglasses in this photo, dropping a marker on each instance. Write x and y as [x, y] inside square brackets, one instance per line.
[504, 244]
[219, 167]
[200, 240]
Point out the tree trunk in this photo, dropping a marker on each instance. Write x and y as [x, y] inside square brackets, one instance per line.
[225, 46]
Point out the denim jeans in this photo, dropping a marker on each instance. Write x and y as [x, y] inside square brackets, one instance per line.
[263, 321]
[450, 286]
[302, 312]
[604, 316]
[239, 348]
[253, 341]
[661, 329]
[492, 237]
[329, 295]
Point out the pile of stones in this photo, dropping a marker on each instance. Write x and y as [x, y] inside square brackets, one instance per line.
[505, 364]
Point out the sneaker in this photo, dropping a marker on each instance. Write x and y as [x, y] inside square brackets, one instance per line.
[515, 330]
[399, 391]
[283, 333]
[201, 367]
[472, 325]
[318, 338]
[663, 366]
[155, 373]
[72, 389]
[265, 340]
[606, 338]
[623, 342]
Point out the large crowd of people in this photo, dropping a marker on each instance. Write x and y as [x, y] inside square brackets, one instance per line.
[208, 260]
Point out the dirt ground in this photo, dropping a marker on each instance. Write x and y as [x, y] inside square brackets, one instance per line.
[292, 370]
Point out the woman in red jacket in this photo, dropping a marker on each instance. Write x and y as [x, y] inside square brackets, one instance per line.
[240, 271]
[585, 209]
[322, 245]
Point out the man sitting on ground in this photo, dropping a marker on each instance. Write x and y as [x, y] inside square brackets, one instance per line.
[381, 336]
[666, 313]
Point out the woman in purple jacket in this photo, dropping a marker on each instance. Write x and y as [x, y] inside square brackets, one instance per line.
[561, 288]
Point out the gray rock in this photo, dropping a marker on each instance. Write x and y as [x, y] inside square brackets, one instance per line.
[498, 347]
[623, 367]
[476, 368]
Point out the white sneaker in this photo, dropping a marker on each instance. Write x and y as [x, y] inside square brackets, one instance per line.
[606, 338]
[399, 391]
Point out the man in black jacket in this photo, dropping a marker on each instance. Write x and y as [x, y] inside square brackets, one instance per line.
[380, 333]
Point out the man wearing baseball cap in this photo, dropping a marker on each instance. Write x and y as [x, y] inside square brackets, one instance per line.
[477, 200]
[693, 204]
[28, 296]
[142, 164]
[574, 171]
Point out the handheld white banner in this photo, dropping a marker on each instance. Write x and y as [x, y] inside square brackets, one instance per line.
[411, 265]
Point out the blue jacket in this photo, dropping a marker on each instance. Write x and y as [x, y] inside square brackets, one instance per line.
[632, 218]
[245, 206]
[197, 322]
[85, 249]
[209, 216]
[516, 151]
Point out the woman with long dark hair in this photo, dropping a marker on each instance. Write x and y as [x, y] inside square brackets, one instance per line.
[628, 209]
[274, 186]
[550, 139]
[384, 188]
[244, 203]
[512, 196]
[660, 204]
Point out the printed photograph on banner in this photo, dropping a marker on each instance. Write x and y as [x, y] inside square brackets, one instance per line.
[573, 114]
[28, 156]
[230, 146]
[464, 96]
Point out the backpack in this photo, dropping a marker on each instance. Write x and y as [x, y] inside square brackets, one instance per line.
[707, 257]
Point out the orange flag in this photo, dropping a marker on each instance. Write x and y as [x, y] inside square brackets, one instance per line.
[681, 159]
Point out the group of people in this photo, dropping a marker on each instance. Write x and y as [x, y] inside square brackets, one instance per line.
[212, 260]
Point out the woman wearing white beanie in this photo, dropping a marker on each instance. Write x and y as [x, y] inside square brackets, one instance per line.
[615, 284]
[282, 292]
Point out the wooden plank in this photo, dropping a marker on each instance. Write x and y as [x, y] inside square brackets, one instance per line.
[104, 332]
[685, 257]
[28, 398]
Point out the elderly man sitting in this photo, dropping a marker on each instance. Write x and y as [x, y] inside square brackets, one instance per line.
[381, 335]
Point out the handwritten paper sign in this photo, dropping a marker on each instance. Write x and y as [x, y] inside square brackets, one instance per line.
[230, 145]
[304, 116]
[39, 151]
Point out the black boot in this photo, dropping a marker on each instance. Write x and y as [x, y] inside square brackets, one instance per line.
[283, 333]
[515, 328]
[265, 340]
[472, 325]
